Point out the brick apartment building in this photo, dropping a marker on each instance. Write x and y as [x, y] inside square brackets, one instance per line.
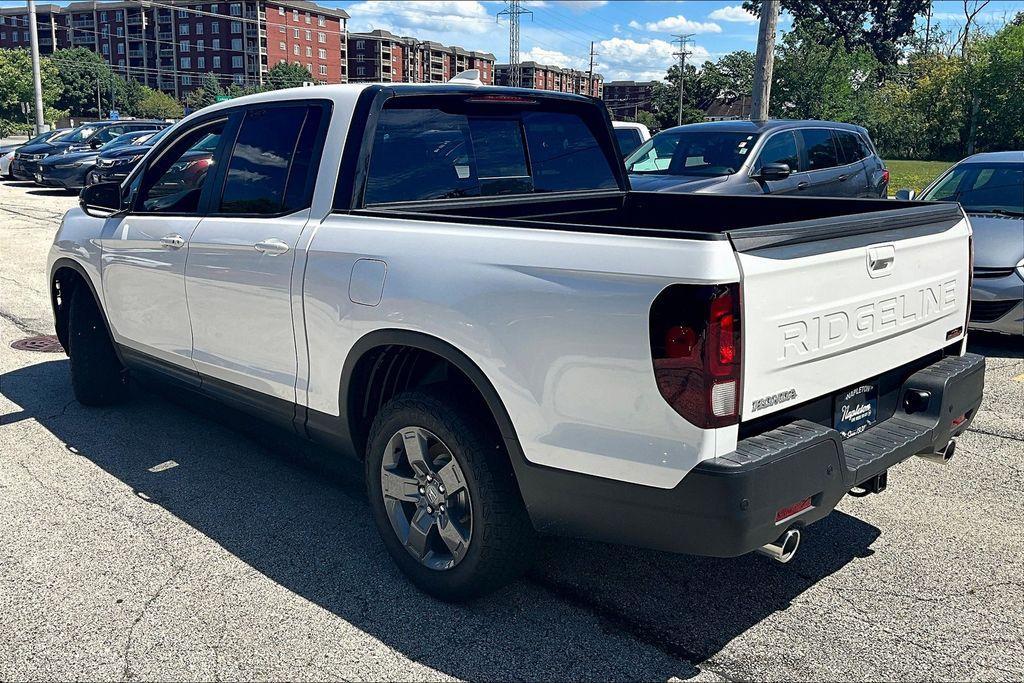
[382, 56]
[171, 48]
[628, 98]
[544, 77]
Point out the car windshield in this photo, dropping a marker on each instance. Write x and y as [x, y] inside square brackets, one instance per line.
[133, 138]
[698, 153]
[983, 188]
[80, 134]
[155, 138]
[43, 137]
[629, 139]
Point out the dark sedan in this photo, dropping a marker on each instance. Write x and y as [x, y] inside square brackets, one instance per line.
[50, 135]
[89, 136]
[114, 165]
[69, 170]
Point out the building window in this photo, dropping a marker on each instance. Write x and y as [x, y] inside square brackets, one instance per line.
[200, 63]
[199, 29]
[323, 69]
[215, 27]
[236, 9]
[118, 15]
[236, 44]
[214, 8]
[103, 16]
[360, 44]
[120, 48]
[236, 27]
[321, 21]
[120, 31]
[282, 47]
[239, 79]
[309, 51]
[216, 61]
[186, 62]
[216, 43]
[321, 37]
[183, 46]
[280, 10]
[182, 14]
[321, 53]
[309, 35]
[105, 46]
[282, 29]
[186, 80]
[182, 29]
[236, 61]
[307, 17]
[295, 50]
[295, 15]
[309, 68]
[360, 71]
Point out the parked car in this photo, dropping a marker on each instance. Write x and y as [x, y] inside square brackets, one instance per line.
[70, 170]
[806, 158]
[630, 135]
[89, 136]
[990, 188]
[114, 165]
[7, 155]
[506, 337]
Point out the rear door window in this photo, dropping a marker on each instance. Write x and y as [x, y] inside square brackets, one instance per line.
[268, 167]
[629, 139]
[422, 153]
[821, 149]
[849, 146]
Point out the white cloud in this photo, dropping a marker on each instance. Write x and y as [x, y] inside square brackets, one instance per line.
[733, 13]
[681, 23]
[624, 58]
[552, 57]
[443, 16]
[635, 24]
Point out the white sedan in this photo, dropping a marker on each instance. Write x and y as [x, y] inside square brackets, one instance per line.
[5, 165]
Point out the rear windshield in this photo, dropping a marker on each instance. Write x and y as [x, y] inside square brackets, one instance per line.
[995, 188]
[465, 149]
[699, 153]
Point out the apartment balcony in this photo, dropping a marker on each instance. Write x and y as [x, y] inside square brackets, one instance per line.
[167, 52]
[83, 23]
[83, 39]
[135, 20]
[135, 54]
[165, 35]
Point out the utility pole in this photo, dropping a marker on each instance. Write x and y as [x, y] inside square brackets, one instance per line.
[513, 11]
[37, 80]
[590, 71]
[682, 39]
[764, 60]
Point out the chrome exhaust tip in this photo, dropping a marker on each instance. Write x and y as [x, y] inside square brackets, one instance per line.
[783, 548]
[941, 456]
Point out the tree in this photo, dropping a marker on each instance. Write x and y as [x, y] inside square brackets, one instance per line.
[882, 26]
[129, 95]
[158, 105]
[206, 94]
[83, 74]
[285, 75]
[16, 87]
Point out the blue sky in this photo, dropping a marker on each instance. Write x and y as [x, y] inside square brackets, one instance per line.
[632, 37]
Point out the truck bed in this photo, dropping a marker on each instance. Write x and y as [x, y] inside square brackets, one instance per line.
[751, 222]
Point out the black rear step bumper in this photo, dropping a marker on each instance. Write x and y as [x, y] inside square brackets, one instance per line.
[726, 506]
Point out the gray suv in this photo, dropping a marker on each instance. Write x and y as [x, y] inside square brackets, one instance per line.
[803, 158]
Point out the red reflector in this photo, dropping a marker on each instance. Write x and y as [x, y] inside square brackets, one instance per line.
[957, 421]
[791, 510]
[885, 176]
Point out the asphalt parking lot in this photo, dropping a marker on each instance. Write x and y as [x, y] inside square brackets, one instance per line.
[150, 541]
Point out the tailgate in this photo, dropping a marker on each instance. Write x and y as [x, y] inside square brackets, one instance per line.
[830, 303]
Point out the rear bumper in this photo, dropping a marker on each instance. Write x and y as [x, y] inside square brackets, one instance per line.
[727, 506]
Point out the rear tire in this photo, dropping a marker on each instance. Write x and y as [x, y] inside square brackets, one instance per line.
[97, 376]
[493, 538]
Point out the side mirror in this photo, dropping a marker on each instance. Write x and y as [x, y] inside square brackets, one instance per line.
[94, 144]
[101, 200]
[905, 194]
[774, 172]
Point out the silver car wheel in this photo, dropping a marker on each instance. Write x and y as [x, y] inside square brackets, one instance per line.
[426, 498]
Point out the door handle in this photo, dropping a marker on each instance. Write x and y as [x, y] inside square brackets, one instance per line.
[841, 178]
[802, 185]
[271, 247]
[172, 241]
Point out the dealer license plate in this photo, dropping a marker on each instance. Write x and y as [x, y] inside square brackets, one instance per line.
[856, 410]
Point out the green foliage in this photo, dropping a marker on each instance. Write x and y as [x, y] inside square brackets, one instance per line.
[732, 73]
[158, 105]
[80, 71]
[649, 120]
[287, 76]
[206, 94]
[16, 87]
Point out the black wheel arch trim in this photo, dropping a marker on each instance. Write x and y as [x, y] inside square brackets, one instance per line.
[70, 263]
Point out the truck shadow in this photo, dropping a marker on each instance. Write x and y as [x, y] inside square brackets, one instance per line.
[301, 519]
[995, 345]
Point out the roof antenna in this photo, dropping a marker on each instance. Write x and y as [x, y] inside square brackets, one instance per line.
[467, 77]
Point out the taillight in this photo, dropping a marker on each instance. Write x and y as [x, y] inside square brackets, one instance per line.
[885, 176]
[970, 273]
[695, 344]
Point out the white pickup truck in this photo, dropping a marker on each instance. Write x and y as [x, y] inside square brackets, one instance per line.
[455, 285]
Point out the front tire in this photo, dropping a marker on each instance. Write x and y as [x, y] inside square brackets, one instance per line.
[97, 376]
[444, 498]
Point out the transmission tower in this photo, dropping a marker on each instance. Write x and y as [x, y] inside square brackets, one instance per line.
[683, 53]
[513, 11]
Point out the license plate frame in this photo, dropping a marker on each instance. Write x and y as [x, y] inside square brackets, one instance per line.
[855, 410]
